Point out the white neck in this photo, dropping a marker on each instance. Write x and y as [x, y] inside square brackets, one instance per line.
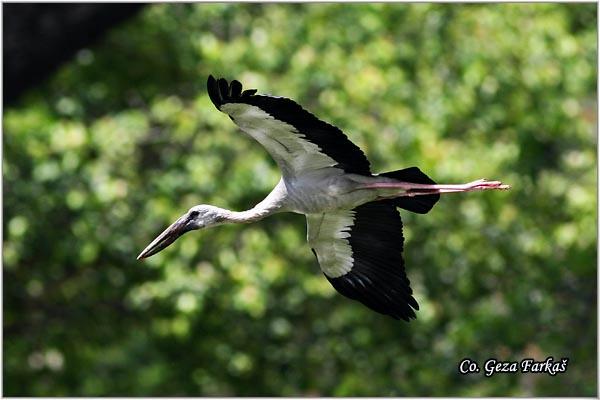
[247, 216]
[273, 203]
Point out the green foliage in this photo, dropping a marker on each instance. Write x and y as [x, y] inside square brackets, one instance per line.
[124, 139]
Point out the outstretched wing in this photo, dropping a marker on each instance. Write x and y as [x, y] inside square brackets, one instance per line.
[360, 253]
[296, 139]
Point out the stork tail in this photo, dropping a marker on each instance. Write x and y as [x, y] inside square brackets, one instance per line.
[417, 204]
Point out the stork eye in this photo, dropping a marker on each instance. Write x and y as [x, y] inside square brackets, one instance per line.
[194, 214]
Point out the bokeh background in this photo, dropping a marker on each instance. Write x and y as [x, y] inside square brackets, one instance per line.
[123, 138]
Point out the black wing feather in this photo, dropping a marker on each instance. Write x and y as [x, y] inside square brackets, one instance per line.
[236, 89]
[378, 278]
[417, 204]
[213, 92]
[330, 139]
[249, 92]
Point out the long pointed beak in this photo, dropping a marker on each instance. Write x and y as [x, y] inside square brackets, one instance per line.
[163, 240]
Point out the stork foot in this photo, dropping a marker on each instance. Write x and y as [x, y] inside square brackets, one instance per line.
[484, 184]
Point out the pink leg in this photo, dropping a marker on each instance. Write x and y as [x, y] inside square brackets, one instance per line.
[419, 189]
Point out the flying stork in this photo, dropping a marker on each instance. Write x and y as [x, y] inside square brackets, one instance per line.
[353, 225]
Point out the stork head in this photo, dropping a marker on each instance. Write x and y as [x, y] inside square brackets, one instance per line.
[197, 217]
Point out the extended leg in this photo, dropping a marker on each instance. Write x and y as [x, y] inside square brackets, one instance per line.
[419, 189]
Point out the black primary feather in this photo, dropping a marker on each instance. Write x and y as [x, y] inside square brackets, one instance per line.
[378, 278]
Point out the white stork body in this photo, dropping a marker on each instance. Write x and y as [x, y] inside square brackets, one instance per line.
[353, 226]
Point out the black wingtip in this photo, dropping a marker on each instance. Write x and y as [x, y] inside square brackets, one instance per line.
[236, 89]
[221, 92]
[394, 304]
[248, 93]
[213, 92]
[223, 88]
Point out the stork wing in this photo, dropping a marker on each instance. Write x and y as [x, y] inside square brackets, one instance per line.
[360, 253]
[296, 139]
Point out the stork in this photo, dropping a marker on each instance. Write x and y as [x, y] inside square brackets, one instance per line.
[353, 224]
